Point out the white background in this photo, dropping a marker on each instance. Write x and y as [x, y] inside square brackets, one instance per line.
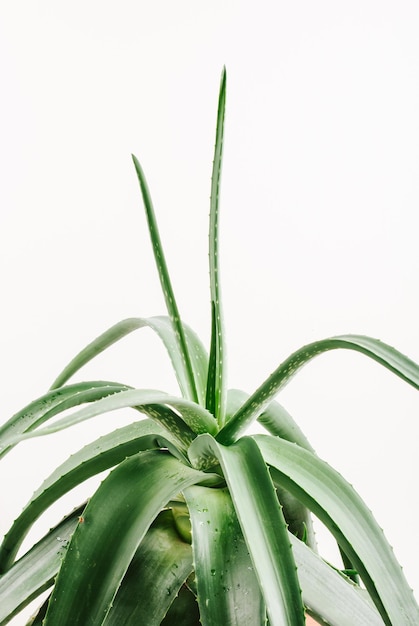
[319, 218]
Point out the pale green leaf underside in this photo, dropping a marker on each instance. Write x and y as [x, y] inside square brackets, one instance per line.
[384, 354]
[337, 504]
[262, 523]
[329, 595]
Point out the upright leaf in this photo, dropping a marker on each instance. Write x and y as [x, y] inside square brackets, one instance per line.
[216, 384]
[261, 521]
[228, 590]
[166, 284]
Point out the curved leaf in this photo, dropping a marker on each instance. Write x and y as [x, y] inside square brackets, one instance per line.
[261, 521]
[158, 570]
[384, 354]
[50, 404]
[340, 508]
[124, 506]
[162, 326]
[96, 457]
[183, 418]
[228, 590]
[279, 422]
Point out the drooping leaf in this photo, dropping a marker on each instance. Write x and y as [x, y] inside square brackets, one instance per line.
[228, 590]
[183, 418]
[123, 507]
[49, 405]
[340, 508]
[162, 326]
[384, 354]
[215, 399]
[261, 521]
[96, 457]
[166, 285]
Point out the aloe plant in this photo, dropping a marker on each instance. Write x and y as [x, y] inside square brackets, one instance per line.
[198, 521]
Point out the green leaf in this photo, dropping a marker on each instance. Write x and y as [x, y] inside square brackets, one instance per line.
[228, 590]
[261, 521]
[36, 570]
[215, 400]
[340, 508]
[183, 418]
[169, 296]
[96, 457]
[158, 570]
[162, 326]
[123, 507]
[50, 404]
[384, 354]
[279, 422]
[330, 596]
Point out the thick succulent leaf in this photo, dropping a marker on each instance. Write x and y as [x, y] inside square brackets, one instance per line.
[50, 404]
[256, 404]
[158, 570]
[215, 401]
[335, 502]
[162, 326]
[96, 457]
[183, 418]
[228, 590]
[36, 570]
[113, 526]
[330, 596]
[166, 285]
[279, 422]
[262, 523]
